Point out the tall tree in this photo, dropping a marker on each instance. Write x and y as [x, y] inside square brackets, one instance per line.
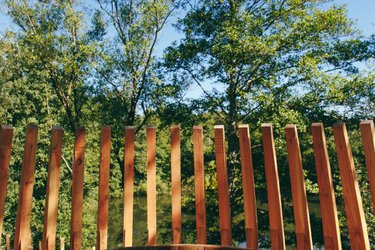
[260, 53]
[281, 61]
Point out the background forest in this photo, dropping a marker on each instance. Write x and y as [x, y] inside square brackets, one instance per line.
[92, 63]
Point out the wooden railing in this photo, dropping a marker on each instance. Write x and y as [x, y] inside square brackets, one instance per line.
[353, 204]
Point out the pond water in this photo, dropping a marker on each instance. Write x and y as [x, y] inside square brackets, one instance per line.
[163, 220]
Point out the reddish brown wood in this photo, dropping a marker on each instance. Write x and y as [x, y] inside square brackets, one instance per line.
[184, 247]
[151, 185]
[128, 186]
[7, 241]
[248, 186]
[331, 230]
[223, 188]
[273, 189]
[6, 137]
[352, 197]
[22, 237]
[77, 190]
[105, 159]
[368, 140]
[300, 207]
[200, 200]
[52, 194]
[176, 184]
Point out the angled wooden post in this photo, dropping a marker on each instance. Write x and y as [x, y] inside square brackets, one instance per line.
[151, 185]
[223, 187]
[200, 200]
[273, 189]
[176, 184]
[300, 207]
[6, 137]
[128, 187]
[52, 194]
[22, 237]
[77, 190]
[105, 159]
[368, 140]
[352, 197]
[248, 186]
[331, 230]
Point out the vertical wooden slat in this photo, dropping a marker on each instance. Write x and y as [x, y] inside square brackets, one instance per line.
[368, 140]
[52, 194]
[352, 197]
[151, 184]
[331, 230]
[300, 207]
[7, 241]
[22, 238]
[128, 187]
[176, 184]
[105, 159]
[200, 200]
[6, 137]
[62, 244]
[273, 189]
[77, 190]
[223, 187]
[248, 186]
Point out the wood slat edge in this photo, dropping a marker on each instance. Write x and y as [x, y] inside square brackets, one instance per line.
[199, 185]
[176, 184]
[223, 187]
[331, 230]
[77, 190]
[52, 193]
[300, 206]
[6, 138]
[128, 186]
[248, 186]
[352, 198]
[273, 189]
[103, 195]
[368, 141]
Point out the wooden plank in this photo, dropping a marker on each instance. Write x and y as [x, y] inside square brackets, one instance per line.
[105, 159]
[52, 194]
[248, 186]
[62, 244]
[352, 198]
[273, 189]
[223, 187]
[77, 190]
[200, 197]
[331, 230]
[6, 137]
[368, 140]
[176, 184]
[128, 187]
[22, 237]
[7, 241]
[300, 207]
[151, 184]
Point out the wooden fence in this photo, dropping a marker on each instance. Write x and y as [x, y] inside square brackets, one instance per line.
[353, 204]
